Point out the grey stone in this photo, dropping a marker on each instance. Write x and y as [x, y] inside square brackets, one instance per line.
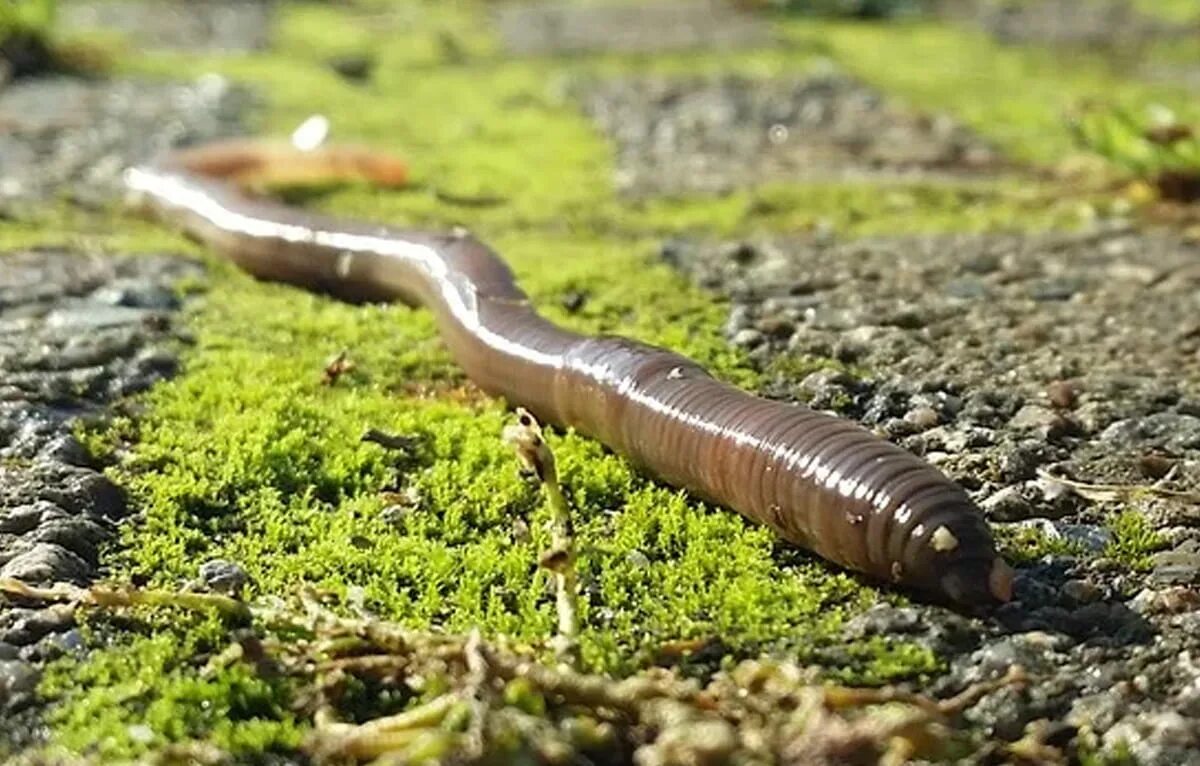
[78, 535]
[1179, 566]
[1007, 504]
[46, 563]
[194, 25]
[138, 294]
[549, 28]
[18, 680]
[1161, 430]
[747, 338]
[224, 576]
[22, 627]
[77, 136]
[696, 134]
[24, 518]
[1081, 591]
[922, 418]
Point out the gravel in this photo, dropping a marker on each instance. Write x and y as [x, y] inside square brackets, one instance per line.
[78, 333]
[1008, 360]
[564, 29]
[225, 26]
[66, 136]
[694, 134]
[67, 353]
[1112, 25]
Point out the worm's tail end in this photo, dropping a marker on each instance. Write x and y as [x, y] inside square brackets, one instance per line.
[257, 163]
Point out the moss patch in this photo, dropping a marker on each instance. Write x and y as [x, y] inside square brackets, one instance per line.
[1038, 84]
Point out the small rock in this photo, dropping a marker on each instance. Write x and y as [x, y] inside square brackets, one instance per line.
[740, 253]
[968, 437]
[1007, 504]
[1155, 466]
[1088, 536]
[47, 562]
[90, 317]
[79, 535]
[521, 532]
[1163, 430]
[24, 518]
[22, 627]
[1179, 566]
[747, 338]
[1055, 289]
[396, 514]
[1154, 738]
[1171, 600]
[354, 67]
[884, 620]
[1046, 422]
[1020, 462]
[223, 576]
[66, 449]
[1098, 712]
[922, 418]
[637, 559]
[135, 293]
[18, 679]
[574, 300]
[967, 288]
[81, 490]
[1061, 394]
[1080, 591]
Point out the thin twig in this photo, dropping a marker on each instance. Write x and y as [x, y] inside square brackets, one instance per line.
[525, 436]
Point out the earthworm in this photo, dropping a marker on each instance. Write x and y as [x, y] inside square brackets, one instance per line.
[819, 481]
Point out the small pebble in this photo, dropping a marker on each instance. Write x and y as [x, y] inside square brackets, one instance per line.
[637, 559]
[223, 576]
[747, 338]
[1007, 504]
[1080, 591]
[1061, 394]
[922, 418]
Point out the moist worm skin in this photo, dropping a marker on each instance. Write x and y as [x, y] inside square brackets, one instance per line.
[819, 481]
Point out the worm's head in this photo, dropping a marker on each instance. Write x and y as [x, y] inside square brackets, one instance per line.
[978, 580]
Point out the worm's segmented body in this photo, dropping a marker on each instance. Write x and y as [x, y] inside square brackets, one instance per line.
[820, 482]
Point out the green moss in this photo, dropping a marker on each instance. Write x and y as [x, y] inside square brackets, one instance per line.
[1134, 539]
[161, 688]
[1024, 545]
[1038, 84]
[30, 17]
[1181, 11]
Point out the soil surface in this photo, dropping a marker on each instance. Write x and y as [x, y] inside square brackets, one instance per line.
[67, 135]
[1009, 361]
[1110, 24]
[78, 332]
[211, 25]
[552, 28]
[674, 136]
